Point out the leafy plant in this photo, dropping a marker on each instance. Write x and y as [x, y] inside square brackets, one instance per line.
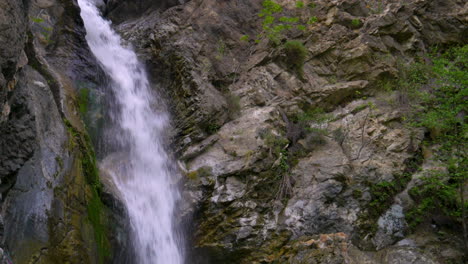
[301, 27]
[44, 30]
[37, 20]
[296, 54]
[300, 4]
[274, 24]
[244, 38]
[312, 20]
[438, 192]
[316, 115]
[440, 105]
[356, 22]
[276, 143]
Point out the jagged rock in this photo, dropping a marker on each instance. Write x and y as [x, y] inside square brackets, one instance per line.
[121, 10]
[391, 226]
[45, 156]
[227, 96]
[232, 166]
[30, 196]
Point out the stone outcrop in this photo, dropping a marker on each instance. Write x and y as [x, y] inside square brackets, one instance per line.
[282, 165]
[53, 207]
[261, 183]
[123, 10]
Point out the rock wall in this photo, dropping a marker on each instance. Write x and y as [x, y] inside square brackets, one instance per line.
[283, 165]
[123, 10]
[54, 208]
[264, 186]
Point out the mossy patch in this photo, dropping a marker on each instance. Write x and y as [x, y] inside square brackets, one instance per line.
[204, 171]
[382, 196]
[95, 207]
[95, 216]
[83, 101]
[296, 55]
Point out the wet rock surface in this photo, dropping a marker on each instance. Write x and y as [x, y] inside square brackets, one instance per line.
[261, 186]
[52, 209]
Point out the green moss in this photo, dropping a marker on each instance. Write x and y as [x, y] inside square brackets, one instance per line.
[357, 194]
[95, 212]
[356, 23]
[192, 175]
[359, 108]
[83, 100]
[204, 171]
[59, 161]
[300, 4]
[95, 207]
[382, 196]
[438, 193]
[312, 20]
[212, 128]
[244, 38]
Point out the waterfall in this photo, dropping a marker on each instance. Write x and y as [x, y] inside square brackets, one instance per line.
[145, 185]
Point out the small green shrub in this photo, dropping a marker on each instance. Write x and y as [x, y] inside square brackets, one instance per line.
[357, 194]
[44, 30]
[212, 128]
[296, 55]
[356, 22]
[37, 20]
[269, 8]
[244, 38]
[300, 4]
[437, 193]
[307, 126]
[301, 27]
[274, 142]
[315, 115]
[312, 20]
[275, 25]
[439, 90]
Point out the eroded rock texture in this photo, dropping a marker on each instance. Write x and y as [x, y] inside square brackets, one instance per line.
[262, 185]
[53, 208]
[234, 102]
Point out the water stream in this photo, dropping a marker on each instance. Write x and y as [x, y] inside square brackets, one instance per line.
[145, 185]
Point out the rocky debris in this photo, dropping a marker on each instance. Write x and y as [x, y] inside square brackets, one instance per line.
[335, 168]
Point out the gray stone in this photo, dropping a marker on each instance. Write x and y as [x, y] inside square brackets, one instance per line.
[391, 225]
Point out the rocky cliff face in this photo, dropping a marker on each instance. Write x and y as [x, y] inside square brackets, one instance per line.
[283, 163]
[53, 207]
[299, 166]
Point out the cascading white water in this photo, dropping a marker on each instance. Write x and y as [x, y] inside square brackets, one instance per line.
[146, 186]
